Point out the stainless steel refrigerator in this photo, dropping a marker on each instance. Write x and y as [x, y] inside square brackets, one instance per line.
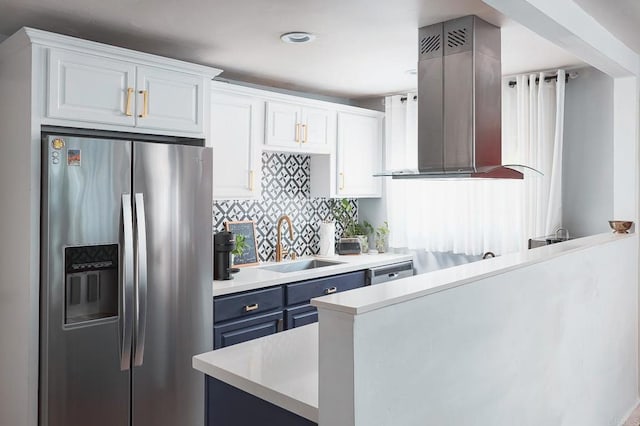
[126, 297]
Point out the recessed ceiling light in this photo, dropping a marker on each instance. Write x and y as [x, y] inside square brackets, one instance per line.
[297, 37]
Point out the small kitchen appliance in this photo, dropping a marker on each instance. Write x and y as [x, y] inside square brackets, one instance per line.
[348, 246]
[223, 244]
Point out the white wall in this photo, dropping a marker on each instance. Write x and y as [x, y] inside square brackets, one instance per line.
[376, 103]
[553, 343]
[587, 179]
[19, 232]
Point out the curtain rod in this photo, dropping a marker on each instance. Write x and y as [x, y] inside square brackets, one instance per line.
[567, 76]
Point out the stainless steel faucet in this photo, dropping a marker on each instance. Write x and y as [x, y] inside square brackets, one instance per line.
[282, 218]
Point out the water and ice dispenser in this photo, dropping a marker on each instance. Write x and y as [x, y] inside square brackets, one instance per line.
[91, 283]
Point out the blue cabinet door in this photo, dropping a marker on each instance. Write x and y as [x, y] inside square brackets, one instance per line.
[233, 332]
[299, 316]
[230, 406]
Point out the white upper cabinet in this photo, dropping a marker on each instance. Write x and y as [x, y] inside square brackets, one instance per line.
[299, 128]
[237, 133]
[283, 124]
[90, 88]
[359, 155]
[101, 90]
[344, 142]
[319, 127]
[169, 100]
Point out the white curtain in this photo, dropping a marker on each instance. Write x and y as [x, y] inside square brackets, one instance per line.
[476, 216]
[532, 134]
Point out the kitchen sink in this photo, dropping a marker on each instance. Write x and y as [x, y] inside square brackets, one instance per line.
[301, 265]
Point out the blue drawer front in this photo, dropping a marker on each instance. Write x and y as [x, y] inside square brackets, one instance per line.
[303, 291]
[300, 315]
[247, 329]
[247, 304]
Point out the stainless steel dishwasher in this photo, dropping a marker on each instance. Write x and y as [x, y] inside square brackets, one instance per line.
[392, 272]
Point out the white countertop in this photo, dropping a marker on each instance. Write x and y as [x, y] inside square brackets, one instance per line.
[255, 277]
[281, 368]
[369, 298]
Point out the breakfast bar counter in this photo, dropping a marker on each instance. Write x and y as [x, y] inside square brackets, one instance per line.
[452, 336]
[281, 369]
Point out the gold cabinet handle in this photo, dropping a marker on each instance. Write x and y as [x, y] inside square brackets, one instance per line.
[341, 181]
[298, 132]
[127, 108]
[306, 133]
[330, 290]
[250, 180]
[250, 308]
[145, 103]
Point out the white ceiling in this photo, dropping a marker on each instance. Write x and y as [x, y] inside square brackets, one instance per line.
[363, 47]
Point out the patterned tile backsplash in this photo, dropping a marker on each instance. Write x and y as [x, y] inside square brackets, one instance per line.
[285, 190]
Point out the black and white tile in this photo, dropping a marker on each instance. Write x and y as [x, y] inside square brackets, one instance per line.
[285, 190]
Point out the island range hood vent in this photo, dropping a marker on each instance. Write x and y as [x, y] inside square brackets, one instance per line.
[459, 103]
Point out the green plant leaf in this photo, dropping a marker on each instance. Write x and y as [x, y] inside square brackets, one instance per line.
[241, 245]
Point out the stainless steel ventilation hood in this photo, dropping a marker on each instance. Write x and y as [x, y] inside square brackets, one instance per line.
[459, 102]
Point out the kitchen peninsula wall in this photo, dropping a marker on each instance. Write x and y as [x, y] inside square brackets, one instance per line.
[285, 190]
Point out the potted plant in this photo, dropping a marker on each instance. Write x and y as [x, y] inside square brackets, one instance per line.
[241, 245]
[343, 214]
[362, 231]
[381, 236]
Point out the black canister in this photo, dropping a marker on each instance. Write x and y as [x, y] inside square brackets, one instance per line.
[223, 243]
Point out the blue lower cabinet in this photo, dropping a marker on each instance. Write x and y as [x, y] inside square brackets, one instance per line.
[238, 331]
[230, 406]
[252, 314]
[299, 316]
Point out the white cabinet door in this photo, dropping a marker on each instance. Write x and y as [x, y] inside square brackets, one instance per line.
[298, 128]
[174, 101]
[319, 127]
[90, 88]
[237, 124]
[359, 155]
[283, 125]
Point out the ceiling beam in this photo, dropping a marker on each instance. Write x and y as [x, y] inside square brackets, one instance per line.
[567, 25]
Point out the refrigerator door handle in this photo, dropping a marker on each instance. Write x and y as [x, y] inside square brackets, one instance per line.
[141, 280]
[126, 296]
